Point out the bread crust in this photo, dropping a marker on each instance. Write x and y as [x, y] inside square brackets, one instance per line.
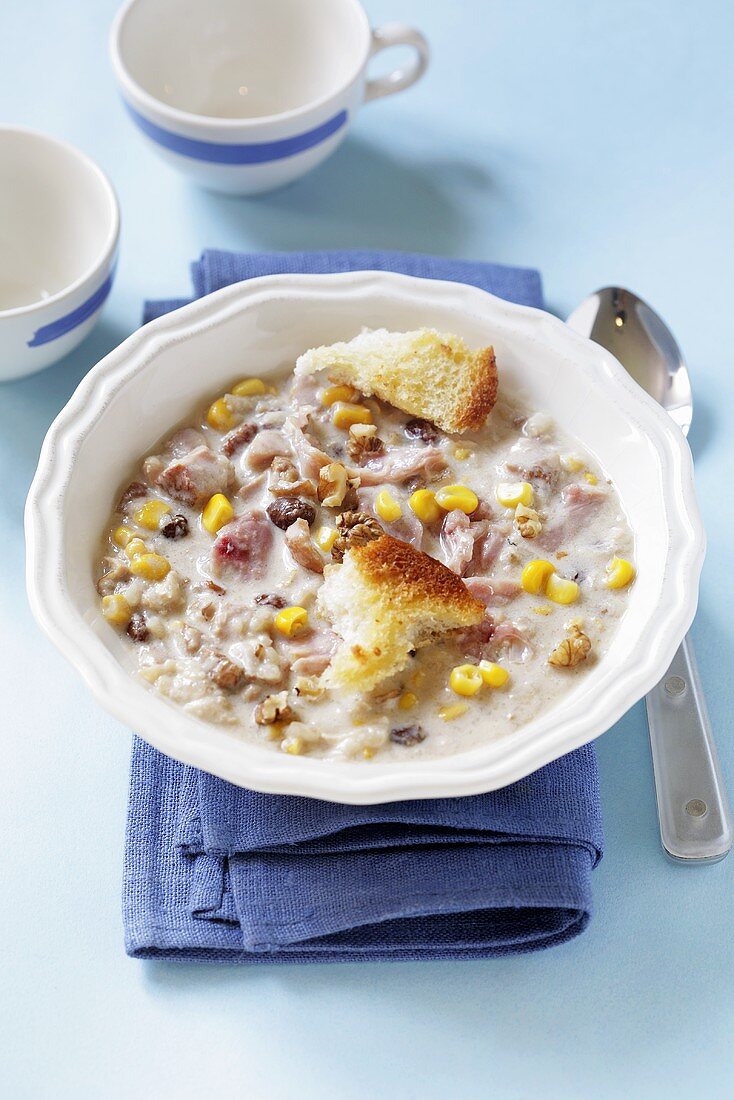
[413, 578]
[483, 395]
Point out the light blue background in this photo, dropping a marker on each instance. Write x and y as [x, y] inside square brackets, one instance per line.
[593, 140]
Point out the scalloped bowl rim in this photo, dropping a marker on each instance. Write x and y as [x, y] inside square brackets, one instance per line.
[206, 746]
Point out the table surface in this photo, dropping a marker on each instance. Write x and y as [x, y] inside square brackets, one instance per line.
[594, 142]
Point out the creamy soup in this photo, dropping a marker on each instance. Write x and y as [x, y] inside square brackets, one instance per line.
[216, 550]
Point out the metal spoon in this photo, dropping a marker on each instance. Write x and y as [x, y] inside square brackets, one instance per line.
[695, 819]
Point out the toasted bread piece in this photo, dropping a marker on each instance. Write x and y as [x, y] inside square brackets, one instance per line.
[385, 600]
[425, 373]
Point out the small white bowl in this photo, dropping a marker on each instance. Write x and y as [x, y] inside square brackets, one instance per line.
[59, 227]
[243, 96]
[155, 379]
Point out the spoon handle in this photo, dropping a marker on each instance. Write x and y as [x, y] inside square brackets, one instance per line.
[695, 819]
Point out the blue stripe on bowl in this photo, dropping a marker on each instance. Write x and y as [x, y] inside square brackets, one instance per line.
[54, 329]
[256, 152]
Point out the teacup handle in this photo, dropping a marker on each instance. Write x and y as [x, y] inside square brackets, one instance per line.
[397, 34]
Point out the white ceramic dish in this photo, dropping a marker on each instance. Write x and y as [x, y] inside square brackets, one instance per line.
[155, 378]
[243, 96]
[59, 226]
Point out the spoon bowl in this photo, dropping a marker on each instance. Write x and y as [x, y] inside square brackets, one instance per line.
[634, 333]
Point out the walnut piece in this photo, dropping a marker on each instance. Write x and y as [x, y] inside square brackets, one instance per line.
[355, 529]
[225, 673]
[572, 650]
[364, 443]
[284, 480]
[333, 484]
[274, 708]
[309, 687]
[527, 522]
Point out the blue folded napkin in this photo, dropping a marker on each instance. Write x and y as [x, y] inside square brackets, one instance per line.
[216, 872]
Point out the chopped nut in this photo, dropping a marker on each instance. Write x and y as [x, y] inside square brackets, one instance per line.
[137, 628]
[332, 484]
[284, 512]
[527, 522]
[174, 527]
[355, 529]
[408, 735]
[274, 708]
[309, 687]
[284, 480]
[364, 442]
[225, 673]
[571, 651]
[134, 490]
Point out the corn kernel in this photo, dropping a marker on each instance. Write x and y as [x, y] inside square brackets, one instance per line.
[510, 494]
[457, 496]
[292, 745]
[217, 512]
[325, 538]
[116, 609]
[221, 417]
[368, 753]
[462, 453]
[152, 567]
[345, 414]
[535, 575]
[249, 387]
[561, 590]
[151, 513]
[493, 674]
[387, 507]
[135, 548]
[407, 700]
[543, 610]
[333, 394]
[454, 710]
[466, 679]
[591, 478]
[290, 620]
[123, 535]
[620, 573]
[423, 503]
[572, 463]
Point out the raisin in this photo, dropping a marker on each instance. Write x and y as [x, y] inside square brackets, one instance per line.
[137, 628]
[421, 429]
[286, 510]
[174, 527]
[134, 491]
[408, 735]
[270, 599]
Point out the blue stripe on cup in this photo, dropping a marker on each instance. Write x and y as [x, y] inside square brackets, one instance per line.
[255, 152]
[54, 329]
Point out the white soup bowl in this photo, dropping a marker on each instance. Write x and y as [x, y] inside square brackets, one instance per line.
[59, 227]
[157, 377]
[246, 95]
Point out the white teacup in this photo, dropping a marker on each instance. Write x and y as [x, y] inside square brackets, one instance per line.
[59, 226]
[247, 95]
